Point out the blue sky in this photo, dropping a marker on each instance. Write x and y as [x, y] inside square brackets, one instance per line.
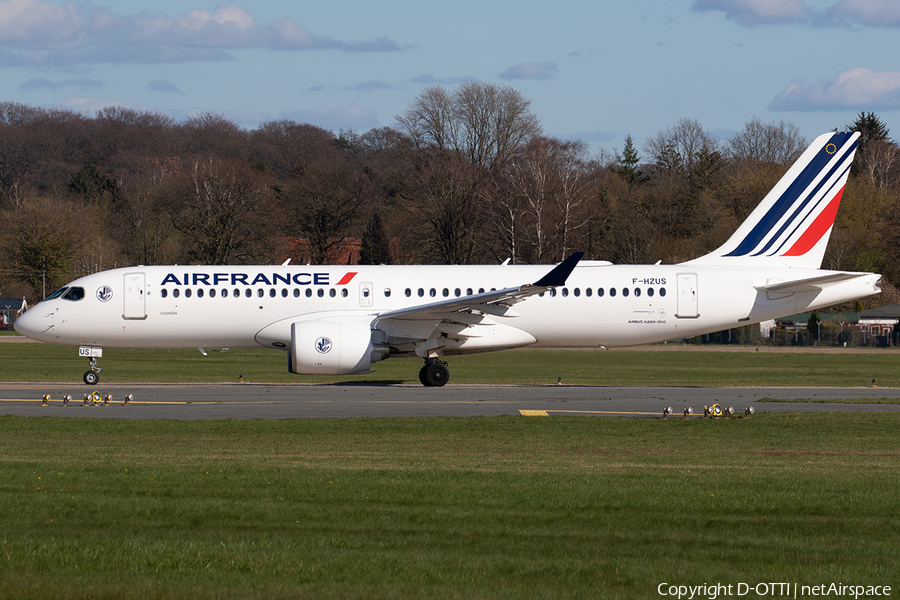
[596, 71]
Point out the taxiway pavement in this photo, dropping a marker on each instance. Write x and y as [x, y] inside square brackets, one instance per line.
[288, 401]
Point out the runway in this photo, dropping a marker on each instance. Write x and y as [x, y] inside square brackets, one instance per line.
[192, 402]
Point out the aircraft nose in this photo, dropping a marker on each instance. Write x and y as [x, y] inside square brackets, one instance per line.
[28, 324]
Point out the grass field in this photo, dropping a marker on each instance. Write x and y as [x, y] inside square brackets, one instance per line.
[510, 507]
[853, 368]
[506, 507]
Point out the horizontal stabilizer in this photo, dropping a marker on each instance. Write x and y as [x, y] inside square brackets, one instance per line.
[811, 284]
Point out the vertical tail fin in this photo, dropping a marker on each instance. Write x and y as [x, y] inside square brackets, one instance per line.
[792, 224]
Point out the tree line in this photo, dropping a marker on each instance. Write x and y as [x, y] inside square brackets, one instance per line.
[464, 176]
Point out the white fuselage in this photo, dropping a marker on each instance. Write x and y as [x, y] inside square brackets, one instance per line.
[245, 306]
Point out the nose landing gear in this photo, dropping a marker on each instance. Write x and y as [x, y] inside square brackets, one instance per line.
[92, 377]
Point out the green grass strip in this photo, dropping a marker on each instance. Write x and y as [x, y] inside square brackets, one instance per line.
[41, 362]
[506, 507]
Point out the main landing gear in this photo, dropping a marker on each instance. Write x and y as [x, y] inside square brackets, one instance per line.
[92, 377]
[434, 373]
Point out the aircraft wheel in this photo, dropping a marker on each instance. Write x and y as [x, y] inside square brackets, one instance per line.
[91, 377]
[435, 375]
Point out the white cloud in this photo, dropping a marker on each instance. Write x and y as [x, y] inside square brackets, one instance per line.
[164, 85]
[42, 83]
[843, 13]
[857, 89]
[876, 13]
[39, 33]
[751, 13]
[334, 119]
[531, 70]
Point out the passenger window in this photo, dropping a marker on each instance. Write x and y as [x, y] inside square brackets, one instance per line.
[176, 292]
[163, 292]
[387, 292]
[468, 291]
[200, 293]
[260, 292]
[187, 293]
[212, 293]
[224, 292]
[272, 292]
[662, 291]
[612, 292]
[625, 292]
[343, 292]
[421, 292]
[457, 292]
[445, 292]
[577, 292]
[408, 292]
[553, 293]
[600, 293]
[432, 292]
[296, 292]
[248, 293]
[650, 292]
[332, 292]
[308, 293]
[588, 292]
[637, 292]
[284, 293]
[565, 292]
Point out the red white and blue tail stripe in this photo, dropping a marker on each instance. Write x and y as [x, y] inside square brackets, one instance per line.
[792, 224]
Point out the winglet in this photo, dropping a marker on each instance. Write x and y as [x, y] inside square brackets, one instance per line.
[560, 272]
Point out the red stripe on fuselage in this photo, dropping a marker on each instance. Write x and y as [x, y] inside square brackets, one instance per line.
[346, 279]
[818, 228]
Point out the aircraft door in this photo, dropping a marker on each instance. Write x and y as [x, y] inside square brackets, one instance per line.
[135, 296]
[687, 296]
[366, 294]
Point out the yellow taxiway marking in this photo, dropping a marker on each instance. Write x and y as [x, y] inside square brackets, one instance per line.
[546, 413]
[79, 402]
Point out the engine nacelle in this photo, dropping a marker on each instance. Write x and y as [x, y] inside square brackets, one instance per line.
[320, 347]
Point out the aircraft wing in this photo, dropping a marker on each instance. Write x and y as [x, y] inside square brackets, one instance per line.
[494, 303]
[811, 284]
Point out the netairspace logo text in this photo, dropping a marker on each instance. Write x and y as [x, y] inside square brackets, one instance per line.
[774, 590]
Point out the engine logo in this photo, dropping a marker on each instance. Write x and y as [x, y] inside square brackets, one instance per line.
[323, 345]
[104, 294]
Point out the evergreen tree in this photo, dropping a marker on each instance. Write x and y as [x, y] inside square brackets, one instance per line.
[374, 249]
[871, 129]
[629, 163]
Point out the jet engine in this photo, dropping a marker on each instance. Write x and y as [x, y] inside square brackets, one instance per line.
[320, 347]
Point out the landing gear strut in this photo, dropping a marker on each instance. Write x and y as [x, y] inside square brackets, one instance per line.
[434, 373]
[92, 377]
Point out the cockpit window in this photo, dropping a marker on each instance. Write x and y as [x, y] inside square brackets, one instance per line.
[57, 293]
[74, 294]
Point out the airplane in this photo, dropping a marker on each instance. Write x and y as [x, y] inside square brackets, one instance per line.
[339, 320]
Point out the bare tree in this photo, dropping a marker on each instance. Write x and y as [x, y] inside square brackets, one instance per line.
[778, 143]
[481, 123]
[325, 198]
[221, 210]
